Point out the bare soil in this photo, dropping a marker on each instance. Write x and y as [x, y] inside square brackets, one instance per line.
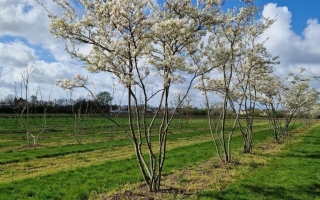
[182, 184]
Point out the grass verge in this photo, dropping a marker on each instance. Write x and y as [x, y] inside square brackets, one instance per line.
[292, 173]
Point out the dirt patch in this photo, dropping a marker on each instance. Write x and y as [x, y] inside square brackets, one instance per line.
[182, 184]
[140, 192]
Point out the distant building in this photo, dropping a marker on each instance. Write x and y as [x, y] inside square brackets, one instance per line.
[263, 114]
[5, 105]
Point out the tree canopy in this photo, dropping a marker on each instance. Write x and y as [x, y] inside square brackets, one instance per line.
[104, 98]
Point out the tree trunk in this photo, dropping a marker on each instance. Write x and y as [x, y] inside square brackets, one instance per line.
[247, 145]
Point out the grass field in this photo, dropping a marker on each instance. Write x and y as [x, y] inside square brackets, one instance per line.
[292, 173]
[60, 168]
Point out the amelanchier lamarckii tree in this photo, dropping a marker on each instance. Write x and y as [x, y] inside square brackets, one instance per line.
[234, 53]
[138, 41]
[25, 113]
[269, 96]
[292, 97]
[254, 64]
[298, 97]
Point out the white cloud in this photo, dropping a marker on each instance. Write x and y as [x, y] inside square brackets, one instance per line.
[312, 36]
[27, 19]
[15, 54]
[24, 18]
[49, 72]
[294, 50]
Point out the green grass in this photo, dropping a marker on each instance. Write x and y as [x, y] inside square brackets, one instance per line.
[79, 183]
[12, 154]
[82, 182]
[292, 174]
[32, 153]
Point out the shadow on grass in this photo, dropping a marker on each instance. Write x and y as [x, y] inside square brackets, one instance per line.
[310, 155]
[314, 189]
[270, 192]
[247, 191]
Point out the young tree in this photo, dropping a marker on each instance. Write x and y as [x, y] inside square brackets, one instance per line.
[253, 65]
[298, 97]
[25, 80]
[314, 112]
[269, 96]
[123, 34]
[235, 57]
[80, 110]
[290, 97]
[184, 108]
[25, 120]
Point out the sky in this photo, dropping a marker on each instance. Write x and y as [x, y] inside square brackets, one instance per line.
[25, 40]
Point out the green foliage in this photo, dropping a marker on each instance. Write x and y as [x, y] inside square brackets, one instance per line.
[104, 98]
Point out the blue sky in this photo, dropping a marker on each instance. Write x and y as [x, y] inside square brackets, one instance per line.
[25, 39]
[301, 11]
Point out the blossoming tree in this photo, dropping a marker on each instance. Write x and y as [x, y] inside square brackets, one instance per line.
[291, 96]
[298, 97]
[235, 61]
[269, 98]
[138, 41]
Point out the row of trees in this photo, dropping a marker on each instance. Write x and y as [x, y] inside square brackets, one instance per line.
[178, 42]
[11, 104]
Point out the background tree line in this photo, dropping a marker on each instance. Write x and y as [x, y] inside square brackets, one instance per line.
[12, 105]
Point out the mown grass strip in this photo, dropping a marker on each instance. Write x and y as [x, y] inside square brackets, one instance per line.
[12, 156]
[20, 156]
[35, 167]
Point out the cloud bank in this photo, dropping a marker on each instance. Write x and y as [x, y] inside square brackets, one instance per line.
[295, 50]
[25, 39]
